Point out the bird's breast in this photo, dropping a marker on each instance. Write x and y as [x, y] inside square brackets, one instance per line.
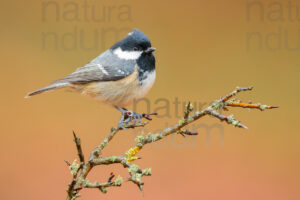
[122, 92]
[146, 82]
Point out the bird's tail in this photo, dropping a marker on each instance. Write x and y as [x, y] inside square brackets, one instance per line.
[48, 88]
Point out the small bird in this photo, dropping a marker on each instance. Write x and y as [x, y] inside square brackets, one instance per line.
[123, 73]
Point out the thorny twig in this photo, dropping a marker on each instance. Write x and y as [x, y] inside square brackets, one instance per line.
[79, 149]
[80, 171]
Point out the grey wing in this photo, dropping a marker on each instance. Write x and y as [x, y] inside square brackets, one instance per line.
[105, 67]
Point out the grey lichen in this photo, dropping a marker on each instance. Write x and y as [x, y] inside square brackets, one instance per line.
[146, 172]
[232, 120]
[75, 196]
[263, 107]
[133, 168]
[104, 143]
[217, 105]
[182, 121]
[113, 158]
[74, 167]
[103, 189]
[139, 138]
[118, 181]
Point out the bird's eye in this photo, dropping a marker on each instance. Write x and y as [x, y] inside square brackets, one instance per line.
[135, 48]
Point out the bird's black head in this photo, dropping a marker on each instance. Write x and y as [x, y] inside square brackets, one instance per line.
[136, 41]
[136, 46]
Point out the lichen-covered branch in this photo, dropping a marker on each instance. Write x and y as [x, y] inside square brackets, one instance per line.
[249, 105]
[79, 149]
[102, 186]
[81, 170]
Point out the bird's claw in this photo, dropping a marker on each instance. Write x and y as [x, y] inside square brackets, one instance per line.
[129, 116]
[133, 117]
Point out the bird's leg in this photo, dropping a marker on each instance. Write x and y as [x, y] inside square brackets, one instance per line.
[130, 116]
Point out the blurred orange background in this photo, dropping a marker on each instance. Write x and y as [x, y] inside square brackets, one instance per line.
[204, 50]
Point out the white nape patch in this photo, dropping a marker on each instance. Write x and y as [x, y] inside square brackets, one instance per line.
[127, 55]
[130, 33]
[102, 69]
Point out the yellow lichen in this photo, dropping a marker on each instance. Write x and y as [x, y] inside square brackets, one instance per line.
[130, 154]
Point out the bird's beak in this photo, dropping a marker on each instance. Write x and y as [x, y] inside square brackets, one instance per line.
[150, 50]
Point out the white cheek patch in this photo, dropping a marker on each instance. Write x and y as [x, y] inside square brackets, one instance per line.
[102, 69]
[127, 55]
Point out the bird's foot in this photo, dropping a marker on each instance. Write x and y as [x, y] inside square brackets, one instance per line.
[130, 118]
